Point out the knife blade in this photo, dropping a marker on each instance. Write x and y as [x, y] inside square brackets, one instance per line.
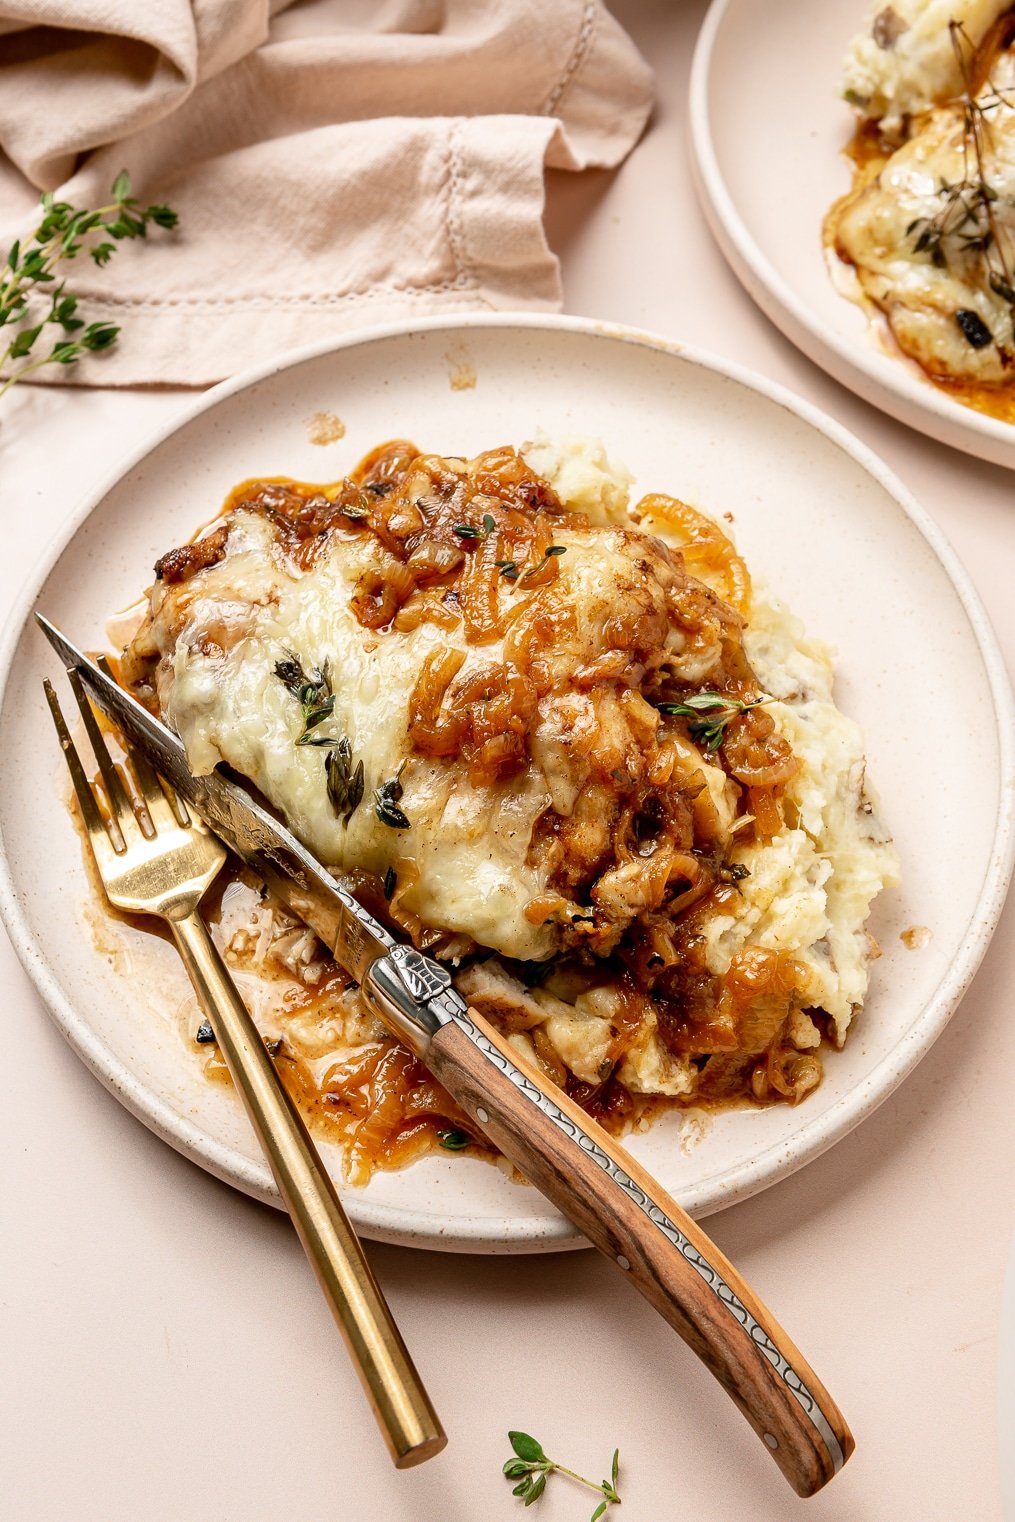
[399, 982]
[584, 1171]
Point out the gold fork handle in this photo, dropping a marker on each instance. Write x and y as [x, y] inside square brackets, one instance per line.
[404, 1414]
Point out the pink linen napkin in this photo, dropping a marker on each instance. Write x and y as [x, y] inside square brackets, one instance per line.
[334, 162]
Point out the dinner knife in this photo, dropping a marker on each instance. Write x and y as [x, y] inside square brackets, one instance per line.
[585, 1172]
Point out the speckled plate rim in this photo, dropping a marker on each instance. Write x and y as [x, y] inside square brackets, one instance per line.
[903, 395]
[520, 1234]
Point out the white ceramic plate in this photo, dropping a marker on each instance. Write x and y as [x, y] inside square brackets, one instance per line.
[768, 126]
[816, 515]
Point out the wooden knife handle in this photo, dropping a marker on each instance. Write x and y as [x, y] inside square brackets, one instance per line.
[632, 1220]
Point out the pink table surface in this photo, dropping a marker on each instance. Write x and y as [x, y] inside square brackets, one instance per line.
[165, 1354]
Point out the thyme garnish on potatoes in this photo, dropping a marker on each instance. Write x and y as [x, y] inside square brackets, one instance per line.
[28, 280]
[966, 222]
[709, 713]
[530, 1467]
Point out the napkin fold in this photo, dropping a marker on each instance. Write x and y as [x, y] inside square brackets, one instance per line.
[334, 162]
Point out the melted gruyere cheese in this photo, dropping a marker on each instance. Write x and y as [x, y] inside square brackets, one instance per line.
[227, 704]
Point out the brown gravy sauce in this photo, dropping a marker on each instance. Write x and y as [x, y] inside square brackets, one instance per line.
[375, 1100]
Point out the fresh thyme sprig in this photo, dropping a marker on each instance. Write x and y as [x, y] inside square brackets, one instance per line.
[28, 280]
[512, 570]
[312, 690]
[530, 1467]
[344, 782]
[709, 713]
[966, 222]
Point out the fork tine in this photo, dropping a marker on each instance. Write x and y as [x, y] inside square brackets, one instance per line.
[120, 805]
[94, 822]
[160, 809]
[164, 812]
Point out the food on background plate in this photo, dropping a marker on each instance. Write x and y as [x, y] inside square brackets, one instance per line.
[925, 240]
[553, 738]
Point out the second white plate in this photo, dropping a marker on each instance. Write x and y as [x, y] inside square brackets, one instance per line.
[768, 126]
[817, 517]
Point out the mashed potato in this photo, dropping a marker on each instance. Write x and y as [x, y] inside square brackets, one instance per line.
[903, 61]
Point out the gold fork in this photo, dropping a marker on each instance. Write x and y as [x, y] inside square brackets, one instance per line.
[154, 858]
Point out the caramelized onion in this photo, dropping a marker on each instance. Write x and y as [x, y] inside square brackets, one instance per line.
[786, 1074]
[431, 561]
[764, 805]
[479, 595]
[704, 546]
[548, 1057]
[379, 593]
[426, 606]
[755, 754]
[433, 732]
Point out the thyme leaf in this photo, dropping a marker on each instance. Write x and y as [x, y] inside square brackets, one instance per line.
[733, 872]
[345, 783]
[974, 329]
[353, 502]
[292, 676]
[314, 717]
[550, 553]
[469, 531]
[454, 1141]
[531, 1468]
[386, 799]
